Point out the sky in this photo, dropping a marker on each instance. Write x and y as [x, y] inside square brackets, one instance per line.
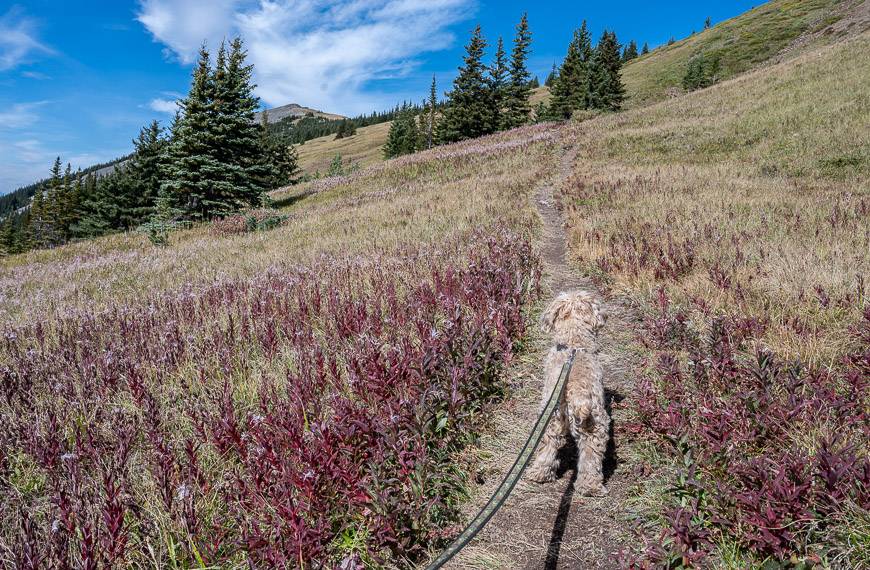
[79, 79]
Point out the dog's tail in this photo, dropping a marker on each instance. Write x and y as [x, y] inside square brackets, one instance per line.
[580, 413]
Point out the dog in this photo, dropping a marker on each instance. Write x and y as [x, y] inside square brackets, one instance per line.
[574, 318]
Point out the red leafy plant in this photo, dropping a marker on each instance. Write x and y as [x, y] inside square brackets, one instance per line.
[771, 453]
[308, 418]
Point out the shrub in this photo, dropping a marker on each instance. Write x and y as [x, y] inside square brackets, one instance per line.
[773, 454]
[306, 418]
[248, 221]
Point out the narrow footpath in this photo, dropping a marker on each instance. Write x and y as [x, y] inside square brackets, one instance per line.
[550, 526]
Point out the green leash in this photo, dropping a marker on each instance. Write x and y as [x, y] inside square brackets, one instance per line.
[513, 476]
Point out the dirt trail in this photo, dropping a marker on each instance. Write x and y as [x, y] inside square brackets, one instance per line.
[550, 526]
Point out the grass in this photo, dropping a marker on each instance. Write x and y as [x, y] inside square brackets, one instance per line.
[741, 177]
[739, 43]
[214, 433]
[399, 202]
[737, 219]
[365, 148]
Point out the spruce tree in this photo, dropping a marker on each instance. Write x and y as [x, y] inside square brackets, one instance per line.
[404, 135]
[607, 92]
[144, 172]
[192, 167]
[498, 85]
[551, 78]
[279, 161]
[36, 227]
[431, 109]
[571, 90]
[468, 113]
[8, 236]
[517, 107]
[630, 52]
[239, 141]
[645, 49]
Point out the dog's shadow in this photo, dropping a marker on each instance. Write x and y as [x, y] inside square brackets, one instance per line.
[568, 462]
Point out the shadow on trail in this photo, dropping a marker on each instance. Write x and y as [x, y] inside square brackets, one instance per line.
[567, 462]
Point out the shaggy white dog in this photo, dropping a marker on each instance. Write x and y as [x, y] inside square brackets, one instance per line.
[573, 319]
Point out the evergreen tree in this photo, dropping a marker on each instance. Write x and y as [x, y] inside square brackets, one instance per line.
[279, 161]
[551, 78]
[239, 142]
[36, 226]
[534, 83]
[468, 113]
[498, 85]
[542, 113]
[518, 109]
[571, 90]
[645, 49]
[707, 23]
[192, 167]
[431, 108]
[8, 236]
[630, 52]
[144, 173]
[607, 91]
[404, 135]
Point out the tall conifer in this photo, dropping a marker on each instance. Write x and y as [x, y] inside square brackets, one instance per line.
[571, 89]
[498, 84]
[517, 107]
[468, 113]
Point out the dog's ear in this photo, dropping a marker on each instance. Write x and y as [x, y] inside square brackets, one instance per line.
[551, 314]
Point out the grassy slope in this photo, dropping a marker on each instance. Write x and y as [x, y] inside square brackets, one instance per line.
[363, 149]
[405, 201]
[740, 44]
[748, 199]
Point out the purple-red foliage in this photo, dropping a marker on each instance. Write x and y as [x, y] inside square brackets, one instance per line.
[733, 417]
[367, 376]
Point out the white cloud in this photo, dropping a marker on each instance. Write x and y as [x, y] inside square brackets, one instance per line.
[163, 106]
[17, 39]
[313, 52]
[20, 115]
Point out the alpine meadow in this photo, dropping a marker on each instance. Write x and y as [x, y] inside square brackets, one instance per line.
[283, 337]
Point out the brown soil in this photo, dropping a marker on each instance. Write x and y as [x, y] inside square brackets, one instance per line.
[550, 526]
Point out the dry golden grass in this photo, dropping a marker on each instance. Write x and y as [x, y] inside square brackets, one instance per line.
[751, 197]
[413, 200]
[740, 43]
[363, 149]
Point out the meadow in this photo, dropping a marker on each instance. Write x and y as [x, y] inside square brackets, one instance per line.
[736, 220]
[288, 398]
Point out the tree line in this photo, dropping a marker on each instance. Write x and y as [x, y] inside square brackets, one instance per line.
[487, 98]
[215, 159]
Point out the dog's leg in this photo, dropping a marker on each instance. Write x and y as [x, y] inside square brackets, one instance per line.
[590, 429]
[543, 470]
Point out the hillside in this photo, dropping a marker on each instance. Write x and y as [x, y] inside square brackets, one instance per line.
[345, 386]
[362, 149]
[743, 42]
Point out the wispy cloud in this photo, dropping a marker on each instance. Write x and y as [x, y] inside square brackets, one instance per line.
[18, 39]
[163, 106]
[314, 52]
[20, 115]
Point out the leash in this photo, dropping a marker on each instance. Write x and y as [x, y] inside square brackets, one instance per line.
[513, 476]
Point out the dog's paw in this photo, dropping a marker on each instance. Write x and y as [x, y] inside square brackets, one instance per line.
[594, 490]
[542, 475]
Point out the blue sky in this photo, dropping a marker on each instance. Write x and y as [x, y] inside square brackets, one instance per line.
[78, 79]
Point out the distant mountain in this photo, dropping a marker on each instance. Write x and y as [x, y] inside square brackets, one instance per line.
[297, 111]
